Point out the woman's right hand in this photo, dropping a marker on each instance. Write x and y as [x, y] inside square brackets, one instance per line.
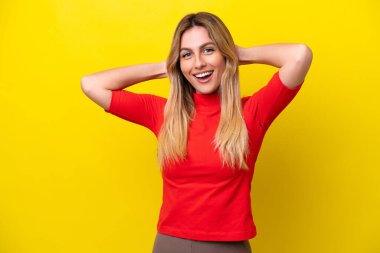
[163, 70]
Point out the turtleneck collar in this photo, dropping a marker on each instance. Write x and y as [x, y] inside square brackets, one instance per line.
[207, 102]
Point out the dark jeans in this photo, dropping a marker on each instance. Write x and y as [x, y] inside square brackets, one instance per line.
[170, 244]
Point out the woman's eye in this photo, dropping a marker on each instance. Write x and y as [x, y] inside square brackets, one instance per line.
[208, 50]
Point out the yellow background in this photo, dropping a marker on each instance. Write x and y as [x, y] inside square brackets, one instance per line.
[75, 179]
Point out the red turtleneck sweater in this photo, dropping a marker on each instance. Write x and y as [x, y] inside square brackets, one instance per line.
[201, 199]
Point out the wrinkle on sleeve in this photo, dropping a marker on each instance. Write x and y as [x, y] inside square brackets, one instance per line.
[269, 101]
[141, 109]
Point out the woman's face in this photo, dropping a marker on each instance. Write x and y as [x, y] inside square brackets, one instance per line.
[199, 54]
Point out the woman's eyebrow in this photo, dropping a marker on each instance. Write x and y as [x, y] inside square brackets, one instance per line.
[204, 44]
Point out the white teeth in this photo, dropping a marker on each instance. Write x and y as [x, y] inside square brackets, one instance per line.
[204, 74]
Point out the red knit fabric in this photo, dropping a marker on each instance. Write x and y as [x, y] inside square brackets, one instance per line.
[202, 200]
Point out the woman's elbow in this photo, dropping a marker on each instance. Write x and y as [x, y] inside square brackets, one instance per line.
[305, 53]
[85, 84]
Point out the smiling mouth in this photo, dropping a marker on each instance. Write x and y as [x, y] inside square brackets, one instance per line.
[204, 76]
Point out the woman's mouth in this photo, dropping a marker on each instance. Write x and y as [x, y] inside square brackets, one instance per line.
[204, 77]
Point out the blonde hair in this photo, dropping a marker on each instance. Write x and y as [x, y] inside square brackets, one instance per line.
[231, 138]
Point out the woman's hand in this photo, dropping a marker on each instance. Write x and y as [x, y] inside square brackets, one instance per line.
[241, 53]
[238, 52]
[163, 70]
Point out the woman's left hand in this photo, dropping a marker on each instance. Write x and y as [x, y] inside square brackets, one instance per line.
[240, 54]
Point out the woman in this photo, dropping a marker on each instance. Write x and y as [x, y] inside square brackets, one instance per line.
[208, 137]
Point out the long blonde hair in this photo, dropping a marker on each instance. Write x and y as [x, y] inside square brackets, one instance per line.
[231, 138]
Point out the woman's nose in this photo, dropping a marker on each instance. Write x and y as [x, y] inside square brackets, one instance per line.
[199, 62]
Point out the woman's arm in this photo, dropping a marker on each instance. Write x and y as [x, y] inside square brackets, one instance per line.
[122, 77]
[294, 60]
[98, 86]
